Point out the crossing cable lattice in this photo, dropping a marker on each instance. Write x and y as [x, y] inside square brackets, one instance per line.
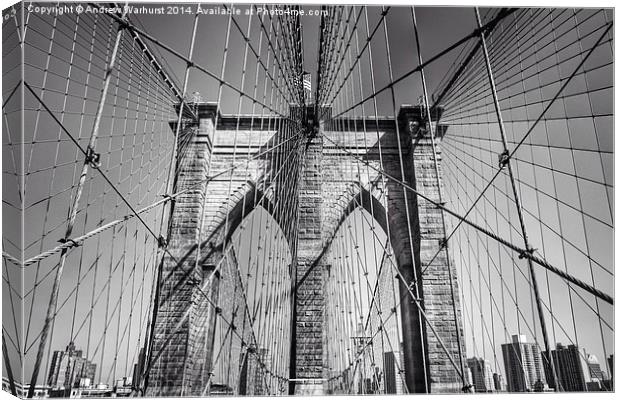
[522, 253]
[431, 129]
[175, 261]
[269, 193]
[90, 158]
[463, 81]
[533, 78]
[508, 164]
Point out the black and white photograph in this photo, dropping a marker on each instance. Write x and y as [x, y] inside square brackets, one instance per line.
[307, 199]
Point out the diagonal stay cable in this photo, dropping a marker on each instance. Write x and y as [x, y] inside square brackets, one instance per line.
[73, 207]
[94, 166]
[212, 235]
[156, 64]
[7, 365]
[522, 252]
[8, 97]
[440, 193]
[475, 33]
[11, 258]
[537, 217]
[192, 63]
[475, 86]
[256, 54]
[518, 145]
[344, 53]
[76, 241]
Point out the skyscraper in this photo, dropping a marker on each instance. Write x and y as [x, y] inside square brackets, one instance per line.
[69, 367]
[138, 369]
[523, 364]
[594, 368]
[392, 373]
[389, 372]
[498, 382]
[481, 374]
[570, 367]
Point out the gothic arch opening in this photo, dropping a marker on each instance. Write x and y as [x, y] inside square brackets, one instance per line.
[361, 282]
[251, 339]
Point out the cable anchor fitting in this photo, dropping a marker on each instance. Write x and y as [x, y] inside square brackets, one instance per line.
[70, 241]
[524, 253]
[167, 197]
[161, 241]
[92, 158]
[503, 159]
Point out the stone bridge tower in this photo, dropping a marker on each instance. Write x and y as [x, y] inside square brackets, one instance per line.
[330, 187]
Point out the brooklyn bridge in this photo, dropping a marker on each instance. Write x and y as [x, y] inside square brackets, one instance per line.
[306, 200]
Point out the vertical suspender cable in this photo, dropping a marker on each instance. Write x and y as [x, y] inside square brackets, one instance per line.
[440, 194]
[51, 309]
[500, 120]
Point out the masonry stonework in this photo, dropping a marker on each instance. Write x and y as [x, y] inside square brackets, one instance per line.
[309, 293]
[413, 224]
[435, 275]
[332, 184]
[176, 349]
